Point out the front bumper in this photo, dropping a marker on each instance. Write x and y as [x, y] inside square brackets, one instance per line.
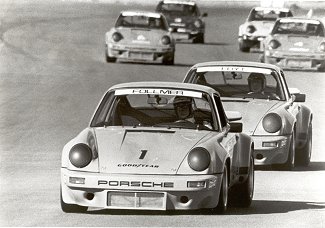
[186, 33]
[140, 192]
[269, 150]
[251, 41]
[139, 53]
[292, 60]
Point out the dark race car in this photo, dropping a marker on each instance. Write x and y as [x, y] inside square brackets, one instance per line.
[185, 19]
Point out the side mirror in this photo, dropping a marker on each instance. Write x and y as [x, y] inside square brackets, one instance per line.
[298, 97]
[204, 14]
[236, 127]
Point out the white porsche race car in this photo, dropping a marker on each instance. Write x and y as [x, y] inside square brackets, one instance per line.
[258, 25]
[273, 114]
[140, 36]
[158, 146]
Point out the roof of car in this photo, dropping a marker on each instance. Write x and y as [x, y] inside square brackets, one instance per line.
[141, 13]
[300, 19]
[260, 8]
[237, 63]
[160, 84]
[179, 2]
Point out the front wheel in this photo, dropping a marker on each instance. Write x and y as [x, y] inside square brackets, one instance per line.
[108, 58]
[169, 60]
[304, 153]
[199, 39]
[223, 195]
[243, 46]
[242, 194]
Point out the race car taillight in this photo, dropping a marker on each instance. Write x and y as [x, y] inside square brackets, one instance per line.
[117, 36]
[250, 29]
[322, 46]
[165, 40]
[274, 44]
[198, 23]
[272, 122]
[80, 155]
[199, 159]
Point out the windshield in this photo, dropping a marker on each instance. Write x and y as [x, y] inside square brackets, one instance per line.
[178, 9]
[140, 21]
[298, 28]
[241, 84]
[155, 110]
[267, 15]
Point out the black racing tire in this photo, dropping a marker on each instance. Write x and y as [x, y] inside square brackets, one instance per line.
[199, 39]
[108, 58]
[71, 208]
[243, 47]
[304, 153]
[169, 60]
[241, 195]
[224, 191]
[290, 164]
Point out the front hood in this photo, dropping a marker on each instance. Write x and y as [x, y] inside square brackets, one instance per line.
[143, 150]
[138, 36]
[263, 28]
[298, 43]
[252, 110]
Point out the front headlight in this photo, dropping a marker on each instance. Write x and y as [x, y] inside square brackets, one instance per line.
[272, 122]
[199, 159]
[274, 44]
[80, 155]
[250, 29]
[165, 40]
[117, 36]
[198, 23]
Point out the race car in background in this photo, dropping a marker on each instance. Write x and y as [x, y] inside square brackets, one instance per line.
[273, 114]
[184, 18]
[140, 36]
[258, 24]
[296, 43]
[137, 153]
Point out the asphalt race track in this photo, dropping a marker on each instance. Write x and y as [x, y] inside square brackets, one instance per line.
[52, 76]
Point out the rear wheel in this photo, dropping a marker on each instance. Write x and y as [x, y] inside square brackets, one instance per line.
[242, 194]
[304, 153]
[71, 208]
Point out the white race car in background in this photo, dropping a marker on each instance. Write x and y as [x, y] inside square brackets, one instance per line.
[137, 154]
[258, 25]
[296, 43]
[140, 36]
[273, 114]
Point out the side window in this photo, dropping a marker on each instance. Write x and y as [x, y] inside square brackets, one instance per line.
[221, 111]
[102, 111]
[285, 87]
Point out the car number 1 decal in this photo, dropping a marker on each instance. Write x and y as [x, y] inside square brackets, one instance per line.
[143, 154]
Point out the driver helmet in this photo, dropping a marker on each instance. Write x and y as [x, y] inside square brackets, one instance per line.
[256, 82]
